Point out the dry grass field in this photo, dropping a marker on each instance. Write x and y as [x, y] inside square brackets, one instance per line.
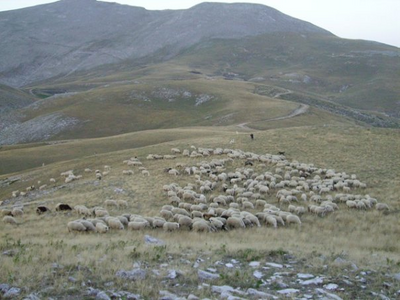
[41, 256]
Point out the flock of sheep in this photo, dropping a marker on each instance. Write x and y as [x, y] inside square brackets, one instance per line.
[221, 197]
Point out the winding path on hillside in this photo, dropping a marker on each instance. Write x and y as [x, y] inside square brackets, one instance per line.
[302, 109]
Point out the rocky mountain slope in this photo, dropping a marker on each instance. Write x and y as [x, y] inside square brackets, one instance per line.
[59, 38]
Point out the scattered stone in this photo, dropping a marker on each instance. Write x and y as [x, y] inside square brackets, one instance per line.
[129, 296]
[56, 266]
[165, 295]
[254, 264]
[229, 265]
[102, 296]
[281, 284]
[212, 270]
[354, 267]
[288, 291]
[328, 295]
[258, 274]
[331, 286]
[260, 295]
[397, 276]
[72, 279]
[10, 253]
[348, 282]
[172, 274]
[92, 292]
[32, 297]
[274, 265]
[222, 289]
[192, 297]
[136, 274]
[340, 261]
[203, 275]
[4, 287]
[317, 280]
[153, 241]
[305, 276]
[12, 293]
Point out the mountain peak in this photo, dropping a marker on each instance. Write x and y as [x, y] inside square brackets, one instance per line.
[72, 35]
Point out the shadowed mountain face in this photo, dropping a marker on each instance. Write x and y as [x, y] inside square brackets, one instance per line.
[71, 35]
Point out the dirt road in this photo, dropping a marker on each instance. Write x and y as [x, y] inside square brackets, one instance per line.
[302, 109]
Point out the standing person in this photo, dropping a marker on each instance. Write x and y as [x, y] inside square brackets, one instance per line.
[252, 136]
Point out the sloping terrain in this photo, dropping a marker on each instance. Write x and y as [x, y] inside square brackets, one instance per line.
[328, 255]
[49, 41]
[11, 99]
[212, 65]
[358, 74]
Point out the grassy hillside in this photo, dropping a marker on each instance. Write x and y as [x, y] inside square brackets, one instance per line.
[358, 74]
[354, 79]
[11, 99]
[366, 238]
[119, 108]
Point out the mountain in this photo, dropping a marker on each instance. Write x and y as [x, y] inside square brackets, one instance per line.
[70, 35]
[99, 69]
[11, 99]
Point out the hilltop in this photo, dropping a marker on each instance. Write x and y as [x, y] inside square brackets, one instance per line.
[50, 41]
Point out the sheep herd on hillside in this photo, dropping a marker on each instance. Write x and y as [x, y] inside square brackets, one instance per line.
[267, 190]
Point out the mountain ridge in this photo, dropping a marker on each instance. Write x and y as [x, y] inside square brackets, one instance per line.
[70, 35]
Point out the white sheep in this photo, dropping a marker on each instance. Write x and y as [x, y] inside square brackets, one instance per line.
[158, 222]
[122, 204]
[17, 212]
[109, 203]
[351, 204]
[185, 221]
[170, 226]
[300, 210]
[382, 207]
[293, 219]
[123, 220]
[166, 214]
[127, 172]
[138, 225]
[67, 173]
[10, 220]
[247, 205]
[101, 227]
[217, 223]
[235, 222]
[88, 225]
[115, 223]
[201, 226]
[175, 151]
[100, 213]
[173, 172]
[271, 220]
[75, 226]
[145, 172]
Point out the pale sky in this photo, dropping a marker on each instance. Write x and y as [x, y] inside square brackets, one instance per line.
[376, 20]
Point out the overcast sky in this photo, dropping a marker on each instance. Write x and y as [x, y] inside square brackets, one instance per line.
[377, 20]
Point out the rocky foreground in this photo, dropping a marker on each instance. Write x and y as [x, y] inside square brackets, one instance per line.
[244, 274]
